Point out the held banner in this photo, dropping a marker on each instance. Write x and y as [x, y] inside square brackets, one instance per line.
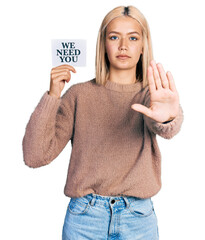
[68, 51]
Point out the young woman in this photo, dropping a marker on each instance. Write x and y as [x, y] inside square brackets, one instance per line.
[112, 122]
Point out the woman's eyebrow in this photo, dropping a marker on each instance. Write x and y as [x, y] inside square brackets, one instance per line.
[115, 32]
[133, 33]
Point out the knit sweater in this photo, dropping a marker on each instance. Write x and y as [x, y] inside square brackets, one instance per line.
[114, 148]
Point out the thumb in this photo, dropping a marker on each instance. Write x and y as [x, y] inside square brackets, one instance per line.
[142, 109]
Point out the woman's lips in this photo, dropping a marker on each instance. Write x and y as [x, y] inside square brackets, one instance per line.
[122, 56]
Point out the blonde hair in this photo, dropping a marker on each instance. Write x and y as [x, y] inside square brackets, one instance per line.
[101, 61]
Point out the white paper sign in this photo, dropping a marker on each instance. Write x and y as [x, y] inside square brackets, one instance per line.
[69, 51]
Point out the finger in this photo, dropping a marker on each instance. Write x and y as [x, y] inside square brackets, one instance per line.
[156, 75]
[152, 86]
[62, 73]
[58, 70]
[61, 78]
[65, 66]
[172, 86]
[163, 76]
[142, 109]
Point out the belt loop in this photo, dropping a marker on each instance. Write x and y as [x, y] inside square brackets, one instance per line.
[93, 199]
[127, 201]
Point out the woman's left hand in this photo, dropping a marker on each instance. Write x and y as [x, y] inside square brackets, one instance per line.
[164, 98]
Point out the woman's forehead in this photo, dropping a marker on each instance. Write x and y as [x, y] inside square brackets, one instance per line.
[124, 23]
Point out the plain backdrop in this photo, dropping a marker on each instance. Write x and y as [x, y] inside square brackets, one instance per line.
[32, 203]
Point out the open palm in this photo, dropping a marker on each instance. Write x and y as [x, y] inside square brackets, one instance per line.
[164, 98]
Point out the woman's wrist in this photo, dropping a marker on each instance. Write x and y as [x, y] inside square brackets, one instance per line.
[53, 95]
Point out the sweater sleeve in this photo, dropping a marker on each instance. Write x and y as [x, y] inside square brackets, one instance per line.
[168, 129]
[49, 129]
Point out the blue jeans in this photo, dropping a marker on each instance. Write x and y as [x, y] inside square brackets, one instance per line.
[97, 217]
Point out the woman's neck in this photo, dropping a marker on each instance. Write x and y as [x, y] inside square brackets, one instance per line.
[127, 76]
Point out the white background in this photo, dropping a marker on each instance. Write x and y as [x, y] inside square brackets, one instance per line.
[32, 203]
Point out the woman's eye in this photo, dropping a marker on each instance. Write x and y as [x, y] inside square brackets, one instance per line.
[133, 38]
[113, 37]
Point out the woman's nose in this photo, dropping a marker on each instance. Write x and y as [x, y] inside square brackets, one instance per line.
[123, 44]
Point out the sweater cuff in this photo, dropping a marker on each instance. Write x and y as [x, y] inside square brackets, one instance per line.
[170, 128]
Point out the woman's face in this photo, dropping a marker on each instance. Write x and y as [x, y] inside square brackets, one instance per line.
[123, 43]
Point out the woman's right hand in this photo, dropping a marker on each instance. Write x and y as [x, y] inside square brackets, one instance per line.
[59, 75]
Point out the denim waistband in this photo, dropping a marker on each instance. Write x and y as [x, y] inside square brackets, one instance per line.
[92, 197]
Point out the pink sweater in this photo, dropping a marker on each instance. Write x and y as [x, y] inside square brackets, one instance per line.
[114, 148]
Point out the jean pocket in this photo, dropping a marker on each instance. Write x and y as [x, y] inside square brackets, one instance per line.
[141, 208]
[78, 206]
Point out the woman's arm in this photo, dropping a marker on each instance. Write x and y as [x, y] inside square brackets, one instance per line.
[49, 129]
[51, 124]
